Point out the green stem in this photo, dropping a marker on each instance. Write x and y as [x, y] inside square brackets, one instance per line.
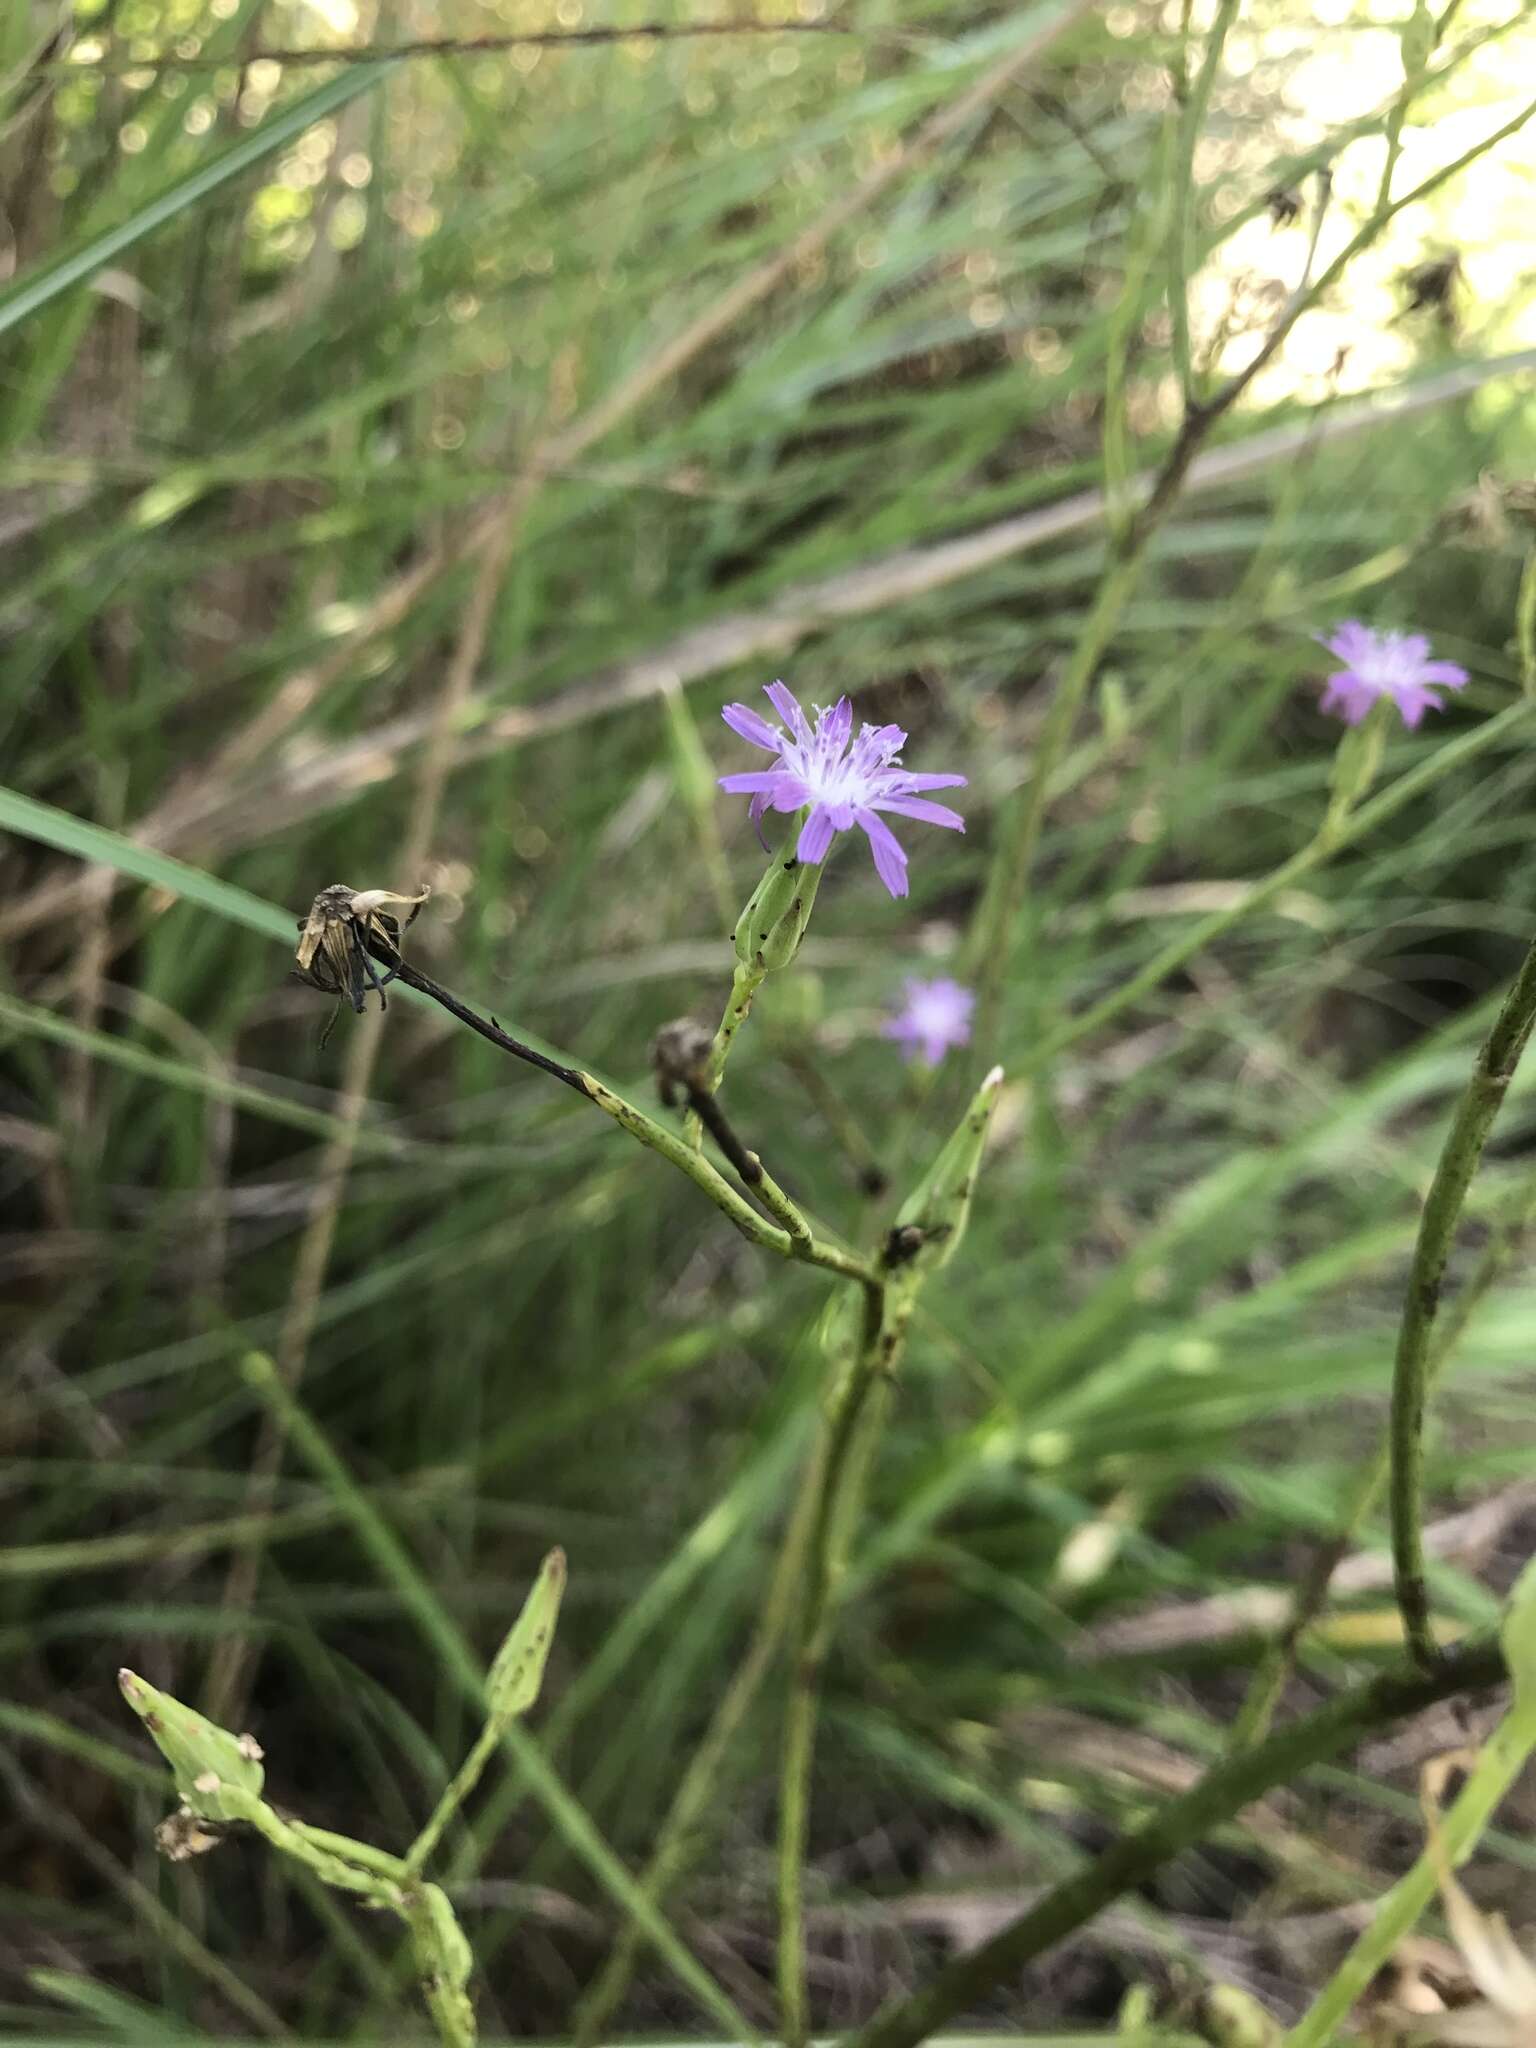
[464, 1782]
[851, 1431]
[1502, 1759]
[795, 1240]
[963, 1985]
[1459, 1161]
[745, 983]
[1269, 1681]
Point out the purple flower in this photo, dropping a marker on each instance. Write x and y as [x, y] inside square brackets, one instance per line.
[844, 781]
[1394, 665]
[936, 1018]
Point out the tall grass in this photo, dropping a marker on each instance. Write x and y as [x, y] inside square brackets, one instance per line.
[763, 393]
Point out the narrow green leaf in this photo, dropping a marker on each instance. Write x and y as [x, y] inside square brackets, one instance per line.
[40, 287]
[53, 827]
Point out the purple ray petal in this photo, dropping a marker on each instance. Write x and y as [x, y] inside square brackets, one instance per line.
[890, 861]
[919, 808]
[753, 727]
[787, 705]
[816, 836]
[755, 782]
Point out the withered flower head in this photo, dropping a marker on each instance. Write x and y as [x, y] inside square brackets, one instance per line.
[184, 1834]
[680, 1055]
[336, 940]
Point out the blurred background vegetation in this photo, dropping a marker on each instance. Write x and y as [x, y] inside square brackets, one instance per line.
[402, 506]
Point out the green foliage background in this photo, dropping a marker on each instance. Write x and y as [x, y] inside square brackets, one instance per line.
[265, 403]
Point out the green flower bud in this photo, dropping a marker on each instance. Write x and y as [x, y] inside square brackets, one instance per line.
[218, 1775]
[518, 1668]
[932, 1220]
[769, 930]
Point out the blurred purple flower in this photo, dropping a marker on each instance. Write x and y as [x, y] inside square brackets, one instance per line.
[936, 1018]
[1395, 665]
[844, 781]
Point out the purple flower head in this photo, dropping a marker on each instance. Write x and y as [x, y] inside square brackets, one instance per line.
[844, 781]
[1395, 665]
[936, 1017]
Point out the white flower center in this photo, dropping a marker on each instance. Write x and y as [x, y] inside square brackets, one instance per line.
[1390, 665]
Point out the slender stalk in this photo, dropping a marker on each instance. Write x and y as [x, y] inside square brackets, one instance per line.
[962, 1985]
[706, 1107]
[1270, 1679]
[455, 1793]
[795, 1240]
[850, 1435]
[1459, 1160]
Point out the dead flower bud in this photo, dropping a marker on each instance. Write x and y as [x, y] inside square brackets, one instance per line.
[336, 939]
[680, 1056]
[1284, 205]
[183, 1834]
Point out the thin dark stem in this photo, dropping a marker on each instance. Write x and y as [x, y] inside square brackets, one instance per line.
[1459, 1160]
[487, 1028]
[962, 1985]
[125, 62]
[706, 1108]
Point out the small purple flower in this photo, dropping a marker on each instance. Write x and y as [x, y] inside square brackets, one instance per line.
[844, 781]
[937, 1017]
[1394, 665]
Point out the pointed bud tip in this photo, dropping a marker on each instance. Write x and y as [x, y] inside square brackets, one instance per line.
[555, 1563]
[128, 1679]
[994, 1078]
